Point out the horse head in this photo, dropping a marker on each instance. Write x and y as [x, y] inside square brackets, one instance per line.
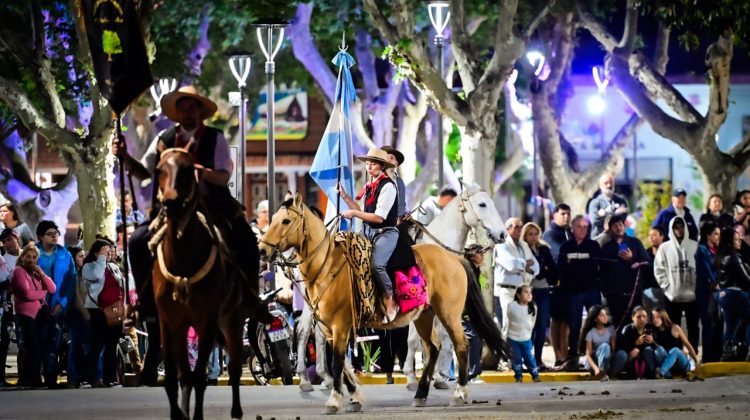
[286, 229]
[177, 183]
[479, 211]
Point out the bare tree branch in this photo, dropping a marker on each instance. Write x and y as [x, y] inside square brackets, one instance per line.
[631, 28]
[661, 52]
[463, 49]
[612, 155]
[366, 61]
[718, 59]
[505, 170]
[741, 151]
[529, 31]
[42, 65]
[597, 29]
[563, 56]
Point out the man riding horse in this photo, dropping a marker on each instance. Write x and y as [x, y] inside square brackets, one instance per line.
[213, 165]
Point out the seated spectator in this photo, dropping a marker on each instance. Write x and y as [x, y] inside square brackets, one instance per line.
[670, 340]
[521, 318]
[705, 288]
[598, 342]
[653, 296]
[636, 347]
[30, 286]
[715, 213]
[733, 274]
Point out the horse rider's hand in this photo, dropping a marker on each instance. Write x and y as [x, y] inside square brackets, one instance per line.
[347, 214]
[119, 148]
[340, 190]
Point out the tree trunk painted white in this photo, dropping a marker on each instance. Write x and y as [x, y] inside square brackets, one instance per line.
[407, 142]
[478, 156]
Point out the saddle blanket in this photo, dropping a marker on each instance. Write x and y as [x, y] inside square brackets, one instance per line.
[411, 289]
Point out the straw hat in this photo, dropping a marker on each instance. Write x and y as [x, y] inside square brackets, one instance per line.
[169, 102]
[377, 155]
[393, 151]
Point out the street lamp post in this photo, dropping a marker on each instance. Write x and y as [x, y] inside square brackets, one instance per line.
[270, 48]
[240, 66]
[439, 16]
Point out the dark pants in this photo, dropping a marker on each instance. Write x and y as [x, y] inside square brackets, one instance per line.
[710, 331]
[648, 355]
[675, 310]
[51, 340]
[475, 350]
[577, 301]
[392, 344]
[735, 306]
[5, 324]
[152, 358]
[29, 335]
[498, 310]
[620, 307]
[78, 346]
[539, 334]
[104, 340]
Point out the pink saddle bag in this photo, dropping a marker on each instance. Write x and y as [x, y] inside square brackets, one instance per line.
[411, 289]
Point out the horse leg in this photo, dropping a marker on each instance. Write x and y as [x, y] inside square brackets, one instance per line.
[207, 340]
[233, 338]
[171, 342]
[455, 331]
[303, 334]
[321, 364]
[424, 327]
[184, 374]
[340, 342]
[412, 345]
[356, 398]
[444, 357]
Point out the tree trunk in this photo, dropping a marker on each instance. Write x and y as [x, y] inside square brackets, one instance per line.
[478, 155]
[95, 174]
[719, 178]
[407, 143]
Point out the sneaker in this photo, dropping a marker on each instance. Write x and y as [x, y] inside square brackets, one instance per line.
[605, 378]
[212, 382]
[85, 385]
[114, 385]
[476, 380]
[537, 379]
[389, 380]
[99, 384]
[519, 380]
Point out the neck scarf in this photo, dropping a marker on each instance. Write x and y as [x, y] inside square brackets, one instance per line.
[370, 189]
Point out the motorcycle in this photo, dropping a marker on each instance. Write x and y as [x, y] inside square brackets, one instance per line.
[272, 344]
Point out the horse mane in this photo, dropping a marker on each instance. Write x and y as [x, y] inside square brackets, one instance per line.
[288, 203]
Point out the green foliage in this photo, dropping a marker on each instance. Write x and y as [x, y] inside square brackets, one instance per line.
[369, 358]
[653, 198]
[453, 146]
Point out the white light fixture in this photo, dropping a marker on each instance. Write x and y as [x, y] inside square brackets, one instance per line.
[439, 15]
[240, 66]
[537, 60]
[600, 79]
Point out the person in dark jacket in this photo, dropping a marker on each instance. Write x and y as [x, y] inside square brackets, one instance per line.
[540, 286]
[653, 296]
[579, 274]
[705, 286]
[734, 280]
[678, 208]
[716, 214]
[557, 234]
[636, 347]
[623, 259]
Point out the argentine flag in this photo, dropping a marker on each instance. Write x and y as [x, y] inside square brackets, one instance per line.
[335, 147]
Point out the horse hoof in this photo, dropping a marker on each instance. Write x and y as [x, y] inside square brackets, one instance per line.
[456, 402]
[330, 410]
[329, 384]
[441, 385]
[354, 407]
[419, 402]
[306, 387]
[412, 386]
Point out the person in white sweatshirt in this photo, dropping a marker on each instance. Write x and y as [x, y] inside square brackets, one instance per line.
[521, 318]
[674, 269]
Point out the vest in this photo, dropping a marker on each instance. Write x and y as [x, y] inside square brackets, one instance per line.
[390, 220]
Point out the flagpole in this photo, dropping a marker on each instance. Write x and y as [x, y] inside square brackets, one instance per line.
[123, 215]
[341, 93]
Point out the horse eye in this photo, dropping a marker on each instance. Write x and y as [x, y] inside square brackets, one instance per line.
[286, 222]
[482, 205]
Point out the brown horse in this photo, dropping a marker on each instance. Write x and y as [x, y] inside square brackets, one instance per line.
[450, 282]
[192, 287]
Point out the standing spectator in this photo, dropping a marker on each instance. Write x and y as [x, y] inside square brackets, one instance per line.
[670, 340]
[605, 204]
[475, 255]
[678, 208]
[674, 269]
[734, 297]
[30, 287]
[515, 266]
[397, 158]
[9, 217]
[742, 208]
[392, 344]
[715, 213]
[431, 207]
[579, 275]
[105, 284]
[598, 342]
[557, 234]
[540, 286]
[622, 259]
[635, 347]
[745, 243]
[260, 223]
[132, 217]
[77, 321]
[653, 296]
[58, 264]
[9, 239]
[521, 319]
[705, 287]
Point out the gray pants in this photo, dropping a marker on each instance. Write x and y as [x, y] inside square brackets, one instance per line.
[383, 243]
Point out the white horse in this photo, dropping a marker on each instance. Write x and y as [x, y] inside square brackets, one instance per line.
[472, 209]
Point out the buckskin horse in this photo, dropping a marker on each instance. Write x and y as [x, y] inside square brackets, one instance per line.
[192, 287]
[451, 286]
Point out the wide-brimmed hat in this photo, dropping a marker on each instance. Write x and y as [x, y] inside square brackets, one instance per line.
[377, 155]
[169, 102]
[392, 151]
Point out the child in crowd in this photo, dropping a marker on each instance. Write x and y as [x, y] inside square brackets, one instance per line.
[521, 319]
[670, 339]
[598, 343]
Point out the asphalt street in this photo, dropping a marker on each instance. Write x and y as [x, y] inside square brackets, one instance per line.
[725, 397]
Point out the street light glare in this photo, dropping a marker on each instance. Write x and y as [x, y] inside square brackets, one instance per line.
[596, 105]
[536, 59]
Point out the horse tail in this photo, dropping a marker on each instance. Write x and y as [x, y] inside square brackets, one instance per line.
[481, 319]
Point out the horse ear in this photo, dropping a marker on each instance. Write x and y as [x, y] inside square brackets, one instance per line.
[297, 199]
[288, 196]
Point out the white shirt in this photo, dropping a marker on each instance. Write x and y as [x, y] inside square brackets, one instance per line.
[10, 261]
[387, 197]
[428, 210]
[520, 322]
[509, 261]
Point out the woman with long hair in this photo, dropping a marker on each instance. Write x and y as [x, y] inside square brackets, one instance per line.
[715, 213]
[30, 286]
[9, 217]
[598, 342]
[734, 282]
[105, 285]
[521, 318]
[540, 286]
[705, 287]
[636, 347]
[670, 339]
